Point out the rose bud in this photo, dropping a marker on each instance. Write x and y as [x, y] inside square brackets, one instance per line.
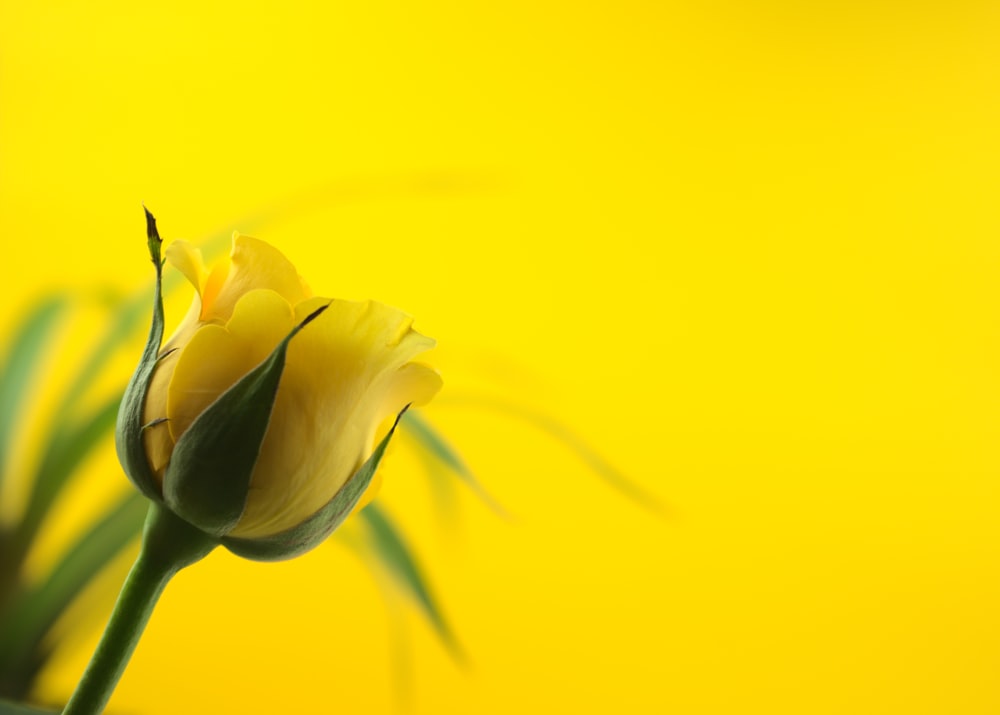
[263, 419]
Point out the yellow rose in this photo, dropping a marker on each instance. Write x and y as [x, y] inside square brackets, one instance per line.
[339, 381]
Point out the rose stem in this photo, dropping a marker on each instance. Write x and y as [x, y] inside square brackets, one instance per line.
[168, 545]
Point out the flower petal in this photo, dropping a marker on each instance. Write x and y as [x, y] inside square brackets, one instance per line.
[157, 440]
[413, 384]
[253, 265]
[188, 260]
[342, 373]
[217, 356]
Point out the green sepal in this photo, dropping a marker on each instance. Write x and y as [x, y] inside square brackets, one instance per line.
[128, 429]
[208, 478]
[314, 530]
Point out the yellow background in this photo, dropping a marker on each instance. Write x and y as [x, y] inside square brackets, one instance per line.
[748, 250]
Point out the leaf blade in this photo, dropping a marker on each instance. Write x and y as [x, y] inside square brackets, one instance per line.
[23, 358]
[9, 708]
[26, 623]
[562, 433]
[70, 444]
[436, 446]
[398, 559]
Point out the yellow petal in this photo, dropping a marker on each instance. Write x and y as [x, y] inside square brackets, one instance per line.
[345, 374]
[188, 260]
[217, 357]
[158, 441]
[341, 372]
[413, 384]
[254, 265]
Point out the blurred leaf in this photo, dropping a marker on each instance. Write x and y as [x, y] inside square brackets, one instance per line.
[353, 535]
[25, 355]
[435, 444]
[66, 449]
[9, 708]
[598, 464]
[559, 431]
[26, 624]
[122, 324]
[444, 488]
[395, 555]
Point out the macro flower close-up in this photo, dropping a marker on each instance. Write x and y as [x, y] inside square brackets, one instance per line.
[345, 377]
[535, 356]
[242, 440]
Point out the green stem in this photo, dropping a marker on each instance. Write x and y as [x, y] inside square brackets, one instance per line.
[168, 545]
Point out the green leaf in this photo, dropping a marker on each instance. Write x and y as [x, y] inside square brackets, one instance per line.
[34, 613]
[9, 708]
[128, 431]
[598, 464]
[417, 425]
[121, 325]
[24, 357]
[65, 451]
[562, 433]
[208, 478]
[319, 526]
[401, 655]
[395, 555]
[431, 440]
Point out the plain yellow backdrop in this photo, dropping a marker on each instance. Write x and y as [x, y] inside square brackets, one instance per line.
[748, 250]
